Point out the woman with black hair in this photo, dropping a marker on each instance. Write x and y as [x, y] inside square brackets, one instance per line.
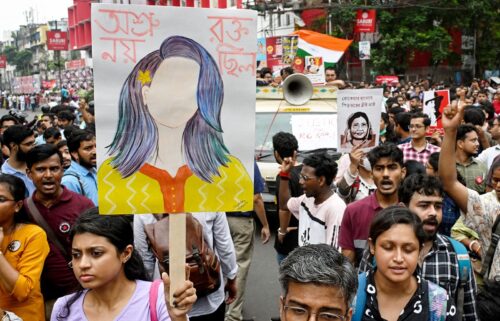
[23, 249]
[393, 289]
[358, 131]
[112, 276]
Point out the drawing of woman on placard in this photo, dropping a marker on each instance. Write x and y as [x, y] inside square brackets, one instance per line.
[358, 131]
[168, 153]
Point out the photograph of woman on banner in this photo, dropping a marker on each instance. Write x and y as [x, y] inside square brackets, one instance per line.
[312, 66]
[358, 131]
[168, 153]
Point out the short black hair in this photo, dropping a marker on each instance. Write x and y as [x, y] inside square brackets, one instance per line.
[488, 108]
[40, 153]
[265, 71]
[403, 120]
[285, 144]
[76, 137]
[8, 118]
[413, 167]
[61, 144]
[288, 70]
[427, 120]
[388, 150]
[463, 130]
[417, 98]
[331, 68]
[434, 161]
[52, 132]
[474, 115]
[50, 115]
[323, 165]
[396, 110]
[16, 134]
[419, 183]
[66, 115]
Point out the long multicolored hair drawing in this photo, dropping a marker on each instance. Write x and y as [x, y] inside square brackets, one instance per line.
[136, 138]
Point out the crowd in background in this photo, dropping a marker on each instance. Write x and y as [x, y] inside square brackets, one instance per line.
[415, 216]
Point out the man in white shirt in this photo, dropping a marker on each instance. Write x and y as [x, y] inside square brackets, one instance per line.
[319, 210]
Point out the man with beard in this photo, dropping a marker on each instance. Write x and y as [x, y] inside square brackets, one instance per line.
[473, 171]
[55, 209]
[387, 170]
[20, 140]
[423, 195]
[81, 176]
[319, 210]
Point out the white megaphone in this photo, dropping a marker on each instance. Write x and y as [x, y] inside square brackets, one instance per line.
[297, 89]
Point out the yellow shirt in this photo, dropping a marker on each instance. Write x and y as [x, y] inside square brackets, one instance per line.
[25, 250]
[153, 190]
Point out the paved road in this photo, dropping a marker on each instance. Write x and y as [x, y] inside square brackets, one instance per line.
[263, 290]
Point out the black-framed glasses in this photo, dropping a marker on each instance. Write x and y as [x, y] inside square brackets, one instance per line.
[295, 313]
[305, 177]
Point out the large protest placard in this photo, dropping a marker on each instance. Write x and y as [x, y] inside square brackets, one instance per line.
[358, 118]
[315, 131]
[171, 96]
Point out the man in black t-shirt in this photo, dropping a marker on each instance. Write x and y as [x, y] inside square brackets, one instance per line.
[286, 145]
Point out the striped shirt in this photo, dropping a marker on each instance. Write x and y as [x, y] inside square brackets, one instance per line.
[422, 156]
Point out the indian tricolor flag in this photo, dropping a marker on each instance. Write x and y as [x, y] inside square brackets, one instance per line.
[319, 45]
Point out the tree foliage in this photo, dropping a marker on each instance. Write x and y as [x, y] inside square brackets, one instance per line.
[409, 26]
[21, 59]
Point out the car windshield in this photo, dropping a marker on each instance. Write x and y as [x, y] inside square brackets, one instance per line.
[268, 124]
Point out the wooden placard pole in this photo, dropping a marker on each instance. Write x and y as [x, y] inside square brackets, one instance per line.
[177, 252]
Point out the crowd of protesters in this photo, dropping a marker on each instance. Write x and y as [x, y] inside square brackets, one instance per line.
[409, 228]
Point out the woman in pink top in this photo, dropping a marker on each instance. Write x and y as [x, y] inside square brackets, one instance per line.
[112, 276]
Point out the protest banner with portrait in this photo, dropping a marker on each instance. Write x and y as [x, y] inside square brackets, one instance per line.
[171, 98]
[358, 118]
[315, 70]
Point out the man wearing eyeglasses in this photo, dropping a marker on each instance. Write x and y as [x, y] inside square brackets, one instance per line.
[319, 210]
[317, 280]
[418, 148]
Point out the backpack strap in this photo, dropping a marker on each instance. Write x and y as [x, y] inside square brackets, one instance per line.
[360, 300]
[464, 270]
[68, 173]
[438, 302]
[488, 258]
[153, 299]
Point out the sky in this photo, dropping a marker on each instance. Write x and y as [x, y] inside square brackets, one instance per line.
[12, 13]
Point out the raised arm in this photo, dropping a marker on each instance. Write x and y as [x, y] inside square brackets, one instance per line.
[452, 117]
[284, 191]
